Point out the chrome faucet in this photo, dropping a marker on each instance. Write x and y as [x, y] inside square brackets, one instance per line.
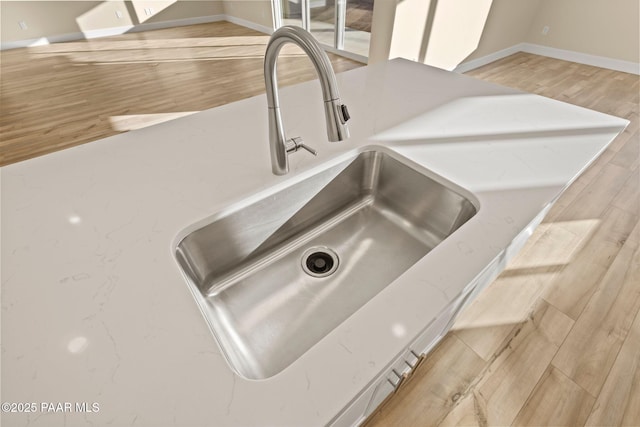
[336, 113]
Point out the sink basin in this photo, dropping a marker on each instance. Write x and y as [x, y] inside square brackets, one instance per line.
[274, 275]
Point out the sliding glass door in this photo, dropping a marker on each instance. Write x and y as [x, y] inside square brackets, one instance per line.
[342, 25]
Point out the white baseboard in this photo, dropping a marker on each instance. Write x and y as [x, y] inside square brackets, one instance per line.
[551, 52]
[113, 31]
[349, 55]
[484, 60]
[583, 58]
[177, 23]
[248, 24]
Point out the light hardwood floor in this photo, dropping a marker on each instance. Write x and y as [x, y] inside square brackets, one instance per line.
[554, 341]
[57, 96]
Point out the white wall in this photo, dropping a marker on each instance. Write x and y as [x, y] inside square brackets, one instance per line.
[53, 18]
[508, 24]
[441, 33]
[384, 15]
[456, 31]
[257, 12]
[608, 28]
[464, 31]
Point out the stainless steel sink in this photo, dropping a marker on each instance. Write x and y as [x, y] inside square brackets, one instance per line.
[273, 276]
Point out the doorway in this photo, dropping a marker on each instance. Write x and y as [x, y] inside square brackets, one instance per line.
[341, 26]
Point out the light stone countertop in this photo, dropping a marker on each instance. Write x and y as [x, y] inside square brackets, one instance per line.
[95, 308]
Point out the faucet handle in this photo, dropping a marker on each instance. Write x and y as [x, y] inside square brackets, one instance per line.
[309, 149]
[344, 113]
[296, 143]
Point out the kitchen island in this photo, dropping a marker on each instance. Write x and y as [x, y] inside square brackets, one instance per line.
[95, 309]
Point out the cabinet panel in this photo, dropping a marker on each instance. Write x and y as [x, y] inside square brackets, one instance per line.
[355, 414]
[384, 389]
[393, 379]
[430, 337]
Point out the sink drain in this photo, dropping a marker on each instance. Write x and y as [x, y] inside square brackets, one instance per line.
[319, 261]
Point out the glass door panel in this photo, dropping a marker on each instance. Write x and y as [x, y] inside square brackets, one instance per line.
[322, 19]
[291, 12]
[343, 25]
[358, 18]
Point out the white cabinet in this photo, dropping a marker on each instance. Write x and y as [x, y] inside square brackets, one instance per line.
[395, 376]
[375, 394]
[401, 368]
[436, 330]
[354, 414]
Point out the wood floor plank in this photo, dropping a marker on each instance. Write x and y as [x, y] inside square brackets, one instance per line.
[628, 198]
[591, 348]
[556, 401]
[470, 412]
[628, 154]
[619, 401]
[504, 387]
[610, 177]
[435, 388]
[573, 287]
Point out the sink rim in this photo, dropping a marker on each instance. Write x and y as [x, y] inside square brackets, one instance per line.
[247, 200]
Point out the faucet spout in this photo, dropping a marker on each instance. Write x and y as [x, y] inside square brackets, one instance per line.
[336, 113]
